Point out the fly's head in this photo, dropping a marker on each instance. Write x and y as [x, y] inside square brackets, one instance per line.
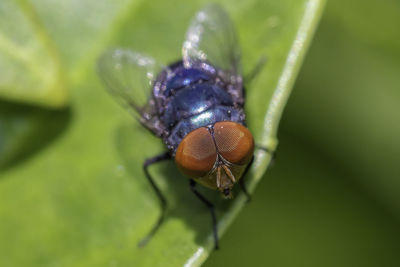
[217, 156]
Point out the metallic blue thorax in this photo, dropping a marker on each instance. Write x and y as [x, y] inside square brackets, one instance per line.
[190, 98]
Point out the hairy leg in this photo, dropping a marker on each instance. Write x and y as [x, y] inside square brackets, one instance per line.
[163, 201]
[210, 206]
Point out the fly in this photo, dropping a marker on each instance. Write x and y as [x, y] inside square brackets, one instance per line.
[194, 105]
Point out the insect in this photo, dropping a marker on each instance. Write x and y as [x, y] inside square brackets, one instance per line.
[195, 105]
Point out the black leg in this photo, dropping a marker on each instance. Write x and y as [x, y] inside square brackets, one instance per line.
[242, 183]
[210, 206]
[163, 201]
[256, 70]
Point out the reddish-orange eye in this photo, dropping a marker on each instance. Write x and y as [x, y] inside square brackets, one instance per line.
[196, 154]
[234, 142]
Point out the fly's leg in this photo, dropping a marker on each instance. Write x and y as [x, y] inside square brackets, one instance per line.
[248, 78]
[241, 180]
[242, 183]
[210, 206]
[163, 201]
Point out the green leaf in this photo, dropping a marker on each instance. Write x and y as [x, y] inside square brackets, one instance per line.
[30, 66]
[82, 199]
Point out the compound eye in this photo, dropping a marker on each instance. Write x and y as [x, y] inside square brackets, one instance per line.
[196, 154]
[234, 142]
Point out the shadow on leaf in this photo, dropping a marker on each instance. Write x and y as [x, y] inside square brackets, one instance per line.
[25, 130]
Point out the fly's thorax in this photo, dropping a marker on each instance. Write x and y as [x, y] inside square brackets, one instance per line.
[187, 98]
[216, 156]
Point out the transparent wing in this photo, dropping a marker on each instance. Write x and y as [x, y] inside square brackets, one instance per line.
[129, 76]
[211, 37]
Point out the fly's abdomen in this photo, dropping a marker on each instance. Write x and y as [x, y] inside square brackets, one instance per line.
[183, 78]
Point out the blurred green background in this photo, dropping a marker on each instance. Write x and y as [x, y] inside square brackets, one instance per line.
[333, 196]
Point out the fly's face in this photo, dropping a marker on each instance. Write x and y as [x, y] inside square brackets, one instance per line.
[216, 156]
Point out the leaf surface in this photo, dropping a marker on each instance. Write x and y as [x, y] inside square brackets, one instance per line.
[82, 199]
